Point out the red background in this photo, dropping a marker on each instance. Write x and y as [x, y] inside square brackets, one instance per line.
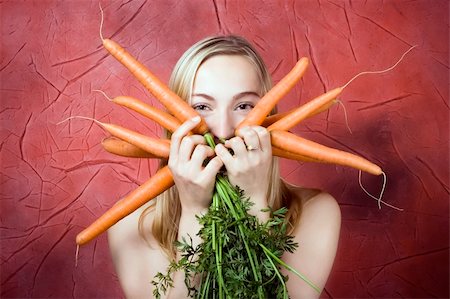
[56, 179]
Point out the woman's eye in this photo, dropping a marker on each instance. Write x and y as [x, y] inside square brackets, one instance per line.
[201, 107]
[245, 106]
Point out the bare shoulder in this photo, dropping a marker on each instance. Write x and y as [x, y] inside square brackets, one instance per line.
[315, 204]
[317, 234]
[318, 205]
[136, 261]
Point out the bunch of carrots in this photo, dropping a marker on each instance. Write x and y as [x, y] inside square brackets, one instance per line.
[125, 142]
[129, 143]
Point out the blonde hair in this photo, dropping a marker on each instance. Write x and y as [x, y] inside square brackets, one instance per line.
[166, 208]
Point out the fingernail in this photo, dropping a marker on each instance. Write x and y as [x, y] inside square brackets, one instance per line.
[219, 147]
[196, 119]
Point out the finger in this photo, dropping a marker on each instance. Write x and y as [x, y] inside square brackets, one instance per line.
[188, 143]
[237, 145]
[182, 131]
[251, 138]
[201, 152]
[212, 168]
[224, 154]
[264, 139]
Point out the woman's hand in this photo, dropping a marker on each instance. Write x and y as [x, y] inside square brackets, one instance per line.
[249, 165]
[194, 181]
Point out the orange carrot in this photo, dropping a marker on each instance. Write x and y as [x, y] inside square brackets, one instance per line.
[179, 108]
[173, 103]
[304, 111]
[122, 148]
[297, 145]
[158, 183]
[274, 118]
[155, 146]
[152, 145]
[166, 120]
[278, 152]
[318, 104]
[325, 107]
[257, 115]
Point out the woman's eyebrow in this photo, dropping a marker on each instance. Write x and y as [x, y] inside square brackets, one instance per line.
[235, 97]
[244, 94]
[203, 95]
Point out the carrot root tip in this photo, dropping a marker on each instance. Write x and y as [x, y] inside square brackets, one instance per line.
[379, 72]
[103, 93]
[378, 199]
[101, 20]
[82, 117]
[339, 102]
[76, 255]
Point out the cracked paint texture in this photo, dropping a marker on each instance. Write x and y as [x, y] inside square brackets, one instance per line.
[56, 179]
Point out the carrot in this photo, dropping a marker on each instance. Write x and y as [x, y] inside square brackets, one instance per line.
[278, 152]
[166, 120]
[304, 111]
[158, 183]
[177, 106]
[297, 145]
[257, 115]
[325, 107]
[155, 146]
[122, 148]
[320, 103]
[152, 145]
[274, 118]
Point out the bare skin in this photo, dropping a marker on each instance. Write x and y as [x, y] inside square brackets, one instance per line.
[225, 90]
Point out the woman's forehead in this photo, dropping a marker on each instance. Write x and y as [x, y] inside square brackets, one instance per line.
[227, 71]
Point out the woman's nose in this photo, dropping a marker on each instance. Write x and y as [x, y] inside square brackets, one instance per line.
[223, 125]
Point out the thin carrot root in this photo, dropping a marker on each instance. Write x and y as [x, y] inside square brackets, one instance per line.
[103, 93]
[101, 20]
[81, 117]
[379, 72]
[339, 102]
[378, 199]
[76, 255]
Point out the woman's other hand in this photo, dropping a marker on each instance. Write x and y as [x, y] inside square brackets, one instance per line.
[249, 165]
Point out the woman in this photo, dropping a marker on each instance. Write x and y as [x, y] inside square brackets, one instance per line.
[222, 78]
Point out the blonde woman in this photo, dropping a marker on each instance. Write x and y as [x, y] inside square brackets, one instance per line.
[222, 78]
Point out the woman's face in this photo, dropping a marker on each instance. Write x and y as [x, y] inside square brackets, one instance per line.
[226, 88]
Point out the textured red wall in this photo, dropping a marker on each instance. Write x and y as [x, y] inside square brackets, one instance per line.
[56, 179]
